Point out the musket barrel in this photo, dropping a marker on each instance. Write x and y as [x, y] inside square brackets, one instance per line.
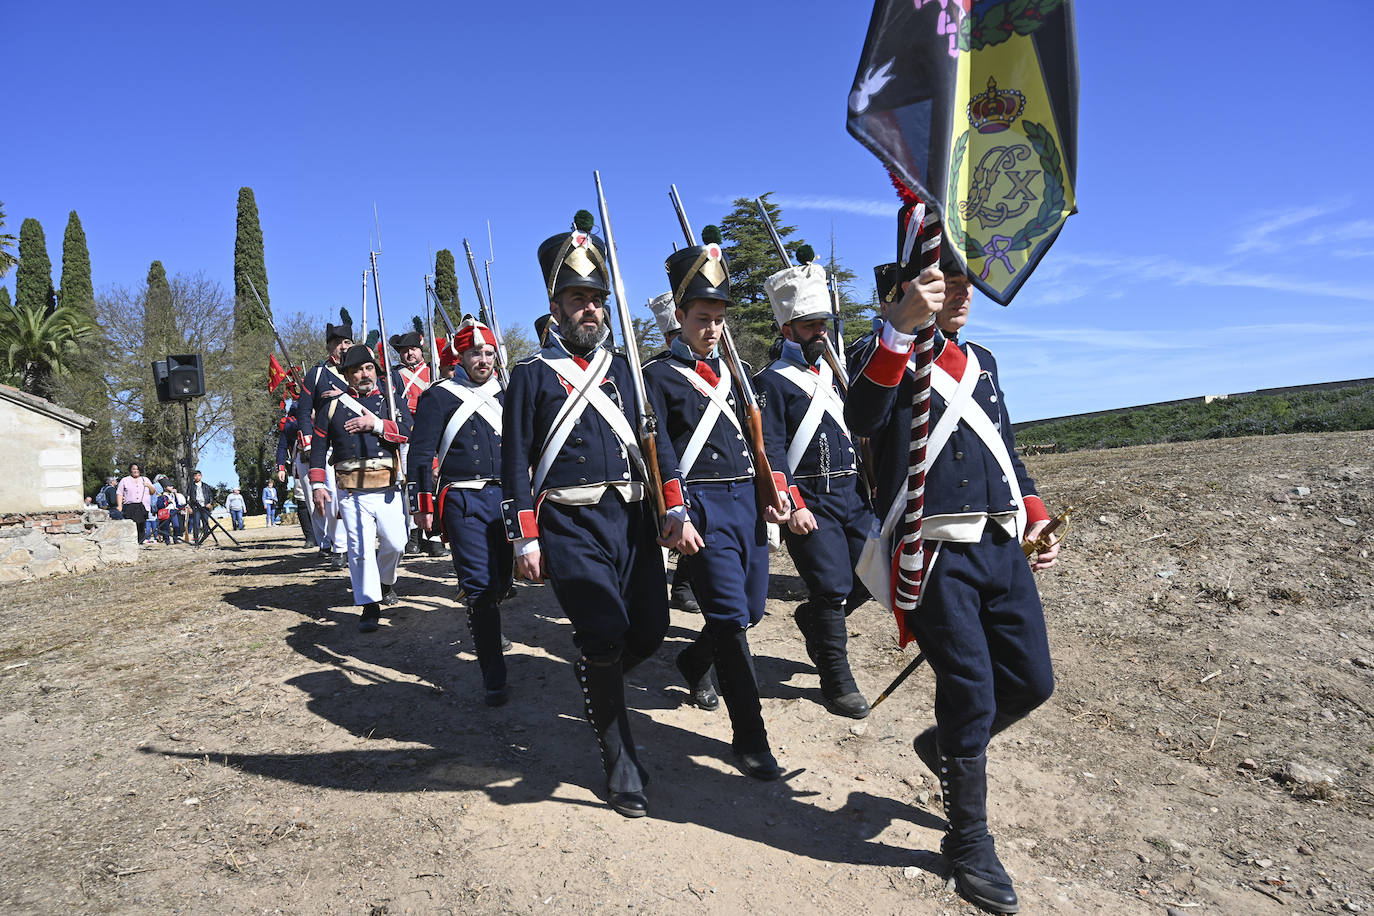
[385, 373]
[290, 364]
[490, 321]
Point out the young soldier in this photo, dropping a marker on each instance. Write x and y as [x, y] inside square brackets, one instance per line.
[979, 621]
[814, 460]
[409, 379]
[458, 432]
[324, 381]
[353, 434]
[690, 390]
[681, 597]
[576, 503]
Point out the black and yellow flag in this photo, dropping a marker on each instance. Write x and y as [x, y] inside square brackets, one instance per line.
[973, 104]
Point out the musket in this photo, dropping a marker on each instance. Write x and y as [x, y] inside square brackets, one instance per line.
[897, 681]
[647, 422]
[485, 309]
[387, 387]
[836, 366]
[764, 488]
[291, 368]
[429, 332]
[363, 332]
[439, 307]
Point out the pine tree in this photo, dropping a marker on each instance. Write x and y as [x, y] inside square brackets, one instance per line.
[77, 290]
[253, 405]
[33, 277]
[753, 259]
[446, 288]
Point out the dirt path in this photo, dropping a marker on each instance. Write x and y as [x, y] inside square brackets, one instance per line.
[209, 732]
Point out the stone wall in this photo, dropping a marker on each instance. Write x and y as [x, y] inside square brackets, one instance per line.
[41, 454]
[36, 545]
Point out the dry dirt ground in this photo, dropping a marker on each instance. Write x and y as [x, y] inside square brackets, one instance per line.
[208, 732]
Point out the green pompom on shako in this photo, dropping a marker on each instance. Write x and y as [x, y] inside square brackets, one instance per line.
[710, 235]
[341, 331]
[575, 258]
[806, 254]
[583, 220]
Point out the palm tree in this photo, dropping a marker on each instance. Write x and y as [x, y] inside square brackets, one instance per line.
[7, 260]
[37, 346]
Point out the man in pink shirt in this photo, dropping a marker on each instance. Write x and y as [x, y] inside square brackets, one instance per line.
[133, 498]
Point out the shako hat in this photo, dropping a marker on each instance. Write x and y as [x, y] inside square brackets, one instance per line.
[357, 356]
[541, 327]
[799, 293]
[575, 258]
[701, 271]
[886, 278]
[413, 338]
[665, 313]
[341, 331]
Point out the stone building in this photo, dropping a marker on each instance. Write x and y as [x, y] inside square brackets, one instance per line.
[44, 528]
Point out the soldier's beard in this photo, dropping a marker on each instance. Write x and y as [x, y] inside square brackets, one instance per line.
[580, 336]
[813, 348]
[366, 386]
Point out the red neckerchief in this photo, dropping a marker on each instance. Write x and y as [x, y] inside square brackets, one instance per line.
[952, 359]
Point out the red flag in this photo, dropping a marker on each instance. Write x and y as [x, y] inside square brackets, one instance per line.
[275, 373]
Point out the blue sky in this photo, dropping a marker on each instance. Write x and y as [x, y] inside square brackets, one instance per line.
[1224, 241]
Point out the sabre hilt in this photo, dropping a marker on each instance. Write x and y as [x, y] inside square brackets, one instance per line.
[1046, 539]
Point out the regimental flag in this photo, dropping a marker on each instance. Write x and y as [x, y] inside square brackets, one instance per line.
[275, 373]
[973, 104]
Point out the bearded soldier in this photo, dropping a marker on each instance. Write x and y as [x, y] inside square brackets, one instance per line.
[576, 502]
[458, 432]
[354, 434]
[691, 392]
[979, 621]
[324, 381]
[814, 456]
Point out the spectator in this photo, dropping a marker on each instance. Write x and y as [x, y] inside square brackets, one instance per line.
[269, 503]
[236, 507]
[176, 503]
[162, 517]
[132, 499]
[90, 503]
[108, 497]
[202, 498]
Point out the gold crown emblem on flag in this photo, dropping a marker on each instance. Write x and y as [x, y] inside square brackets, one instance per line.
[994, 111]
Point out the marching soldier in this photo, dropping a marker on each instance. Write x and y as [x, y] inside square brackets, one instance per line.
[322, 382]
[979, 621]
[352, 434]
[292, 460]
[681, 597]
[576, 502]
[690, 390]
[813, 454]
[458, 431]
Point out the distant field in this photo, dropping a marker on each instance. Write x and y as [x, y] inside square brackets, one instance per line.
[1327, 411]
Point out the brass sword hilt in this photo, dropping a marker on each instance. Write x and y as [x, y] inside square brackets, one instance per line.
[1045, 540]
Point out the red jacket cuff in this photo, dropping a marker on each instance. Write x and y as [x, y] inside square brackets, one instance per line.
[797, 501]
[425, 500]
[1035, 511]
[529, 528]
[672, 494]
[317, 475]
[390, 433]
[885, 366]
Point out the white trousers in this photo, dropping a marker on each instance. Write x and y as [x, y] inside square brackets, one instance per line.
[326, 523]
[373, 517]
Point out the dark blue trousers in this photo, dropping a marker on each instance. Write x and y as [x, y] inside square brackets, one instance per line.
[729, 576]
[981, 627]
[476, 535]
[826, 557]
[606, 570]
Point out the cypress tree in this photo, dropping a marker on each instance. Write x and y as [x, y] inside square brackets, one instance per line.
[33, 277]
[446, 288]
[752, 259]
[77, 290]
[251, 401]
[160, 434]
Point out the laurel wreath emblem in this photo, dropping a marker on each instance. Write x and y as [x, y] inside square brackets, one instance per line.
[1051, 206]
[996, 25]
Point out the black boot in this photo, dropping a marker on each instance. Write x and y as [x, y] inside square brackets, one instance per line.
[694, 662]
[739, 685]
[927, 748]
[372, 613]
[968, 847]
[682, 597]
[830, 637]
[389, 595]
[603, 690]
[484, 622]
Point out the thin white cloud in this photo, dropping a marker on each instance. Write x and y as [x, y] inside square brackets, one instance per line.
[1289, 283]
[1356, 230]
[1102, 338]
[1264, 226]
[857, 206]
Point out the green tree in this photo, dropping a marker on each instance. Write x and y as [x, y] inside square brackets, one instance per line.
[519, 343]
[853, 311]
[39, 345]
[160, 434]
[77, 290]
[647, 336]
[254, 439]
[33, 277]
[7, 241]
[446, 288]
[753, 259]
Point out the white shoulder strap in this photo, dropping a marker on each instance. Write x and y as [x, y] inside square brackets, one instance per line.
[716, 407]
[824, 400]
[585, 385]
[480, 401]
